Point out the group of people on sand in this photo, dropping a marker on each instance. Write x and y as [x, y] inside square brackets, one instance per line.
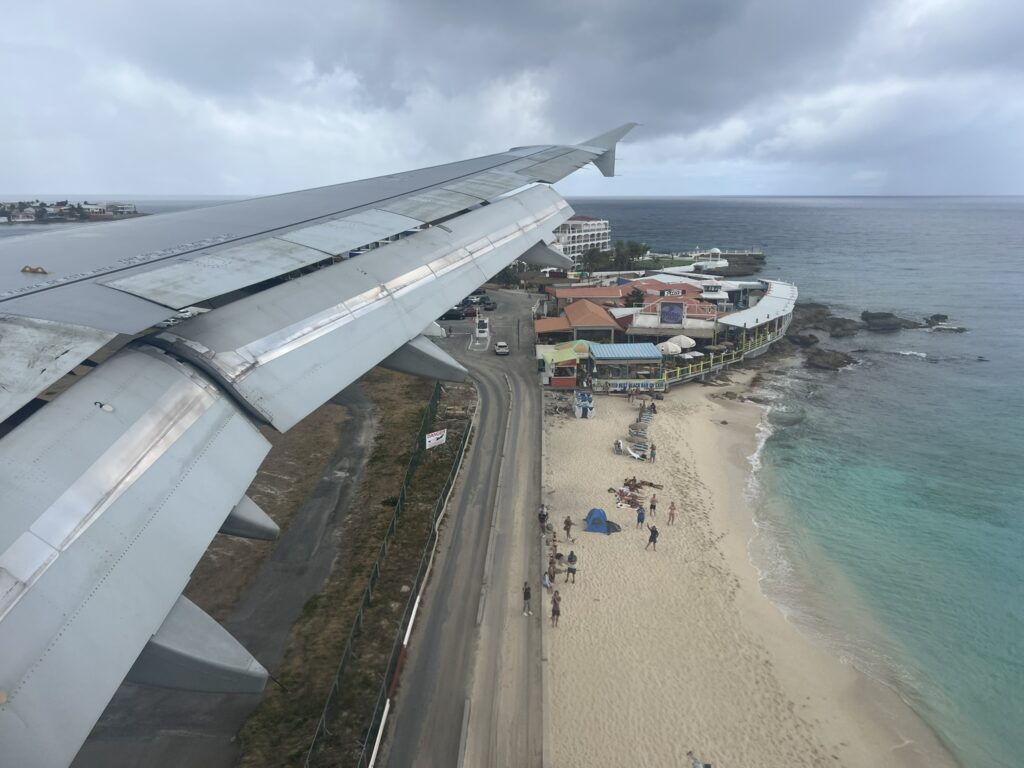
[549, 576]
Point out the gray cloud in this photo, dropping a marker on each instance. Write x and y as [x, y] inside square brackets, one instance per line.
[740, 96]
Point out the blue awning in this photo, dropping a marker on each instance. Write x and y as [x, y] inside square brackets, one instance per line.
[645, 352]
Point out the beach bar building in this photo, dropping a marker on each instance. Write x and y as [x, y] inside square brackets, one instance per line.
[624, 367]
[580, 320]
[562, 366]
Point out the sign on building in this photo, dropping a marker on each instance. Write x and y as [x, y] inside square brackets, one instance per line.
[435, 439]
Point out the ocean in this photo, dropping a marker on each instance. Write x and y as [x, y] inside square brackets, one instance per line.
[888, 497]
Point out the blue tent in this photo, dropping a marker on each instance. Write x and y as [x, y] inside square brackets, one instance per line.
[597, 522]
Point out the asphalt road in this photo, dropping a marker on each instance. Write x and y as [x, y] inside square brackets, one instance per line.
[472, 677]
[155, 727]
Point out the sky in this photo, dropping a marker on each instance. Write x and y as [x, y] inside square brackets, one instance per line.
[734, 97]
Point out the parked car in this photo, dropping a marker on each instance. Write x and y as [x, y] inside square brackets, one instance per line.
[455, 313]
[500, 348]
[488, 305]
[478, 292]
[470, 311]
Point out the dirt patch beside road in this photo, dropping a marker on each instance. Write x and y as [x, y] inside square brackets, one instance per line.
[285, 480]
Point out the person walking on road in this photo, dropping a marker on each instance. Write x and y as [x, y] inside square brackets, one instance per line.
[640, 517]
[654, 505]
[652, 540]
[556, 608]
[567, 524]
[571, 570]
[672, 513]
[526, 599]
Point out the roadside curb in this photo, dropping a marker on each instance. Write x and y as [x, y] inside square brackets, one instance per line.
[545, 669]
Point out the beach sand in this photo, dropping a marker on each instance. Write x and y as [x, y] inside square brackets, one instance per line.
[660, 652]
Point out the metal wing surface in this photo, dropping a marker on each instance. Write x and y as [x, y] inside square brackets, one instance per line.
[128, 438]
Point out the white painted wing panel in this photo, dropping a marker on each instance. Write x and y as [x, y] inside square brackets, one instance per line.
[145, 508]
[345, 234]
[36, 353]
[432, 204]
[190, 281]
[488, 185]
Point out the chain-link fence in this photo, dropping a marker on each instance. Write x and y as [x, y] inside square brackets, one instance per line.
[323, 750]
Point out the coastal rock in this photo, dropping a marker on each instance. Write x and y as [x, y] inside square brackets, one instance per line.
[886, 321]
[936, 319]
[840, 327]
[803, 339]
[828, 359]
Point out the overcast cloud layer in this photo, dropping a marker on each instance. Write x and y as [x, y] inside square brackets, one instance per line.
[734, 96]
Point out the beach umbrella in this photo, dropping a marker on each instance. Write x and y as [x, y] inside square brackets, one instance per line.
[668, 348]
[683, 342]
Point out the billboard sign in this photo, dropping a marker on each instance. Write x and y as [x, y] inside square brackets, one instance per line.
[435, 439]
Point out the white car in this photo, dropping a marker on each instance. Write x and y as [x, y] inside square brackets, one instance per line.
[500, 348]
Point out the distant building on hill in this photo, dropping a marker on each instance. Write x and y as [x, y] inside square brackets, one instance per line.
[581, 234]
[121, 209]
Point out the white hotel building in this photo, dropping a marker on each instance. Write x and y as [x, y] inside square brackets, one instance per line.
[582, 233]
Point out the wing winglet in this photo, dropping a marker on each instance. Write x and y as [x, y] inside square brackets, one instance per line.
[606, 143]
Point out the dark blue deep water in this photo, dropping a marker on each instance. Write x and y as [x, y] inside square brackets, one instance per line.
[889, 496]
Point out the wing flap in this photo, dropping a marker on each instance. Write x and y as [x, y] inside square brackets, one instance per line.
[288, 349]
[125, 518]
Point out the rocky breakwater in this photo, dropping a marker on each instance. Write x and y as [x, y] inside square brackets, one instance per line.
[812, 316]
[740, 265]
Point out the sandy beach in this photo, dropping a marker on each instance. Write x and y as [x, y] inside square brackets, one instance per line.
[657, 653]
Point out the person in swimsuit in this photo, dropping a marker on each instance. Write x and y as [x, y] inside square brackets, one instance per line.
[571, 570]
[567, 524]
[652, 540]
[672, 513]
[654, 505]
[556, 608]
[640, 516]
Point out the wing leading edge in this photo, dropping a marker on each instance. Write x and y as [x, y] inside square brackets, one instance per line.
[114, 489]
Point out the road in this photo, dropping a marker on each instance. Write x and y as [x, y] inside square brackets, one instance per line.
[472, 677]
[155, 727]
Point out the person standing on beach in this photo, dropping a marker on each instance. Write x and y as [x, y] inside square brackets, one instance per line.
[567, 525]
[654, 503]
[542, 518]
[556, 608]
[654, 452]
[672, 513]
[571, 570]
[653, 538]
[640, 517]
[526, 599]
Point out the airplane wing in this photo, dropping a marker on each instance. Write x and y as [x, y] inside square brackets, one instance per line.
[129, 435]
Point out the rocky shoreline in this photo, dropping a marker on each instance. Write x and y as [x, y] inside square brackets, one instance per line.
[813, 316]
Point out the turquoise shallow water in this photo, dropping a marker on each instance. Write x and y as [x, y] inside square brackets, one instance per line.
[889, 497]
